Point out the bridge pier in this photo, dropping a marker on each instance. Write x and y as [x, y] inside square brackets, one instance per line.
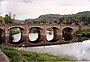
[6, 36]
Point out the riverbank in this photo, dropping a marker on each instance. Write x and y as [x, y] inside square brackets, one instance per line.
[15, 55]
[83, 33]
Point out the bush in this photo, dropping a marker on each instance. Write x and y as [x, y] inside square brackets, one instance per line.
[88, 34]
[83, 34]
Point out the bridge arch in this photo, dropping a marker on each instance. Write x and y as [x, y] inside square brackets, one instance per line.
[39, 35]
[67, 33]
[10, 37]
[67, 29]
[75, 28]
[15, 27]
[55, 33]
[1, 28]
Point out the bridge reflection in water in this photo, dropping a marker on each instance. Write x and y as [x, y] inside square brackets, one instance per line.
[62, 34]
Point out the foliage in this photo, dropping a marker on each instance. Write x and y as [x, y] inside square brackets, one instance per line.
[8, 19]
[84, 33]
[50, 29]
[33, 30]
[68, 19]
[28, 21]
[14, 31]
[15, 55]
[2, 21]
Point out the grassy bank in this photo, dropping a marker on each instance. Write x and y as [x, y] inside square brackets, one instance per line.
[15, 55]
[83, 33]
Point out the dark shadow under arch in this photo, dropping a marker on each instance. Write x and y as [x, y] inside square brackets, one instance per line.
[67, 33]
[2, 37]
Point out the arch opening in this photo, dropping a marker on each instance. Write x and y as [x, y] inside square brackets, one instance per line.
[34, 34]
[67, 34]
[52, 34]
[49, 34]
[15, 35]
[1, 36]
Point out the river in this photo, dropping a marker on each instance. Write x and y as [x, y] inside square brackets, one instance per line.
[79, 51]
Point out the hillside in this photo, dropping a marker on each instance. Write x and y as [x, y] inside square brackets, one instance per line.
[85, 13]
[57, 16]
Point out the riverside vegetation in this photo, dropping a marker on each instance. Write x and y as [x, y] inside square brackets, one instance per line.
[15, 55]
[83, 33]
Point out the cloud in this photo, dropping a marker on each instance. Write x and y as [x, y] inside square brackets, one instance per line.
[72, 2]
[2, 0]
[33, 8]
[28, 1]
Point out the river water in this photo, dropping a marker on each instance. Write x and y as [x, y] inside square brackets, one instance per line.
[78, 51]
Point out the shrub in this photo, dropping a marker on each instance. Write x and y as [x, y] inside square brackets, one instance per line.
[88, 34]
[83, 34]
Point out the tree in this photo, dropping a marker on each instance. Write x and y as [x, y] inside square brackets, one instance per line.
[2, 21]
[28, 21]
[61, 20]
[41, 20]
[8, 19]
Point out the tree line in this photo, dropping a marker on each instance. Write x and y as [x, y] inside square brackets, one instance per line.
[81, 17]
[7, 19]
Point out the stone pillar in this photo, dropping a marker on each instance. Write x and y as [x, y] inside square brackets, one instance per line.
[23, 38]
[56, 34]
[2, 34]
[6, 34]
[26, 35]
[43, 35]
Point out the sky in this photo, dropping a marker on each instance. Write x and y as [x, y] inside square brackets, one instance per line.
[25, 9]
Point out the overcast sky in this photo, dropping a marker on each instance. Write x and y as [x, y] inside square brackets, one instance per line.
[34, 8]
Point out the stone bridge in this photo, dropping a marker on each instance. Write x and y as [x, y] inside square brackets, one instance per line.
[42, 28]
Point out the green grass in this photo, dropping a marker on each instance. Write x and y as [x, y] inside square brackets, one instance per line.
[16, 55]
[84, 33]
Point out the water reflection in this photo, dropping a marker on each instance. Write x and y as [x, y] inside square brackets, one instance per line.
[33, 38]
[49, 35]
[16, 37]
[67, 37]
[77, 51]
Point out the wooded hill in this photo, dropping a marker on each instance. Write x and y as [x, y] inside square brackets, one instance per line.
[71, 18]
